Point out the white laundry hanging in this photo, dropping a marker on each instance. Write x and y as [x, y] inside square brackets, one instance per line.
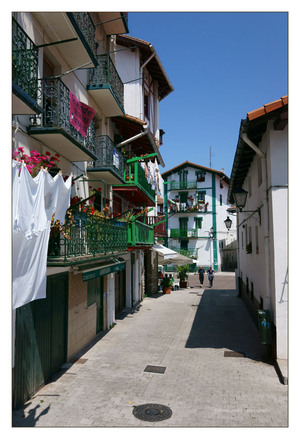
[35, 200]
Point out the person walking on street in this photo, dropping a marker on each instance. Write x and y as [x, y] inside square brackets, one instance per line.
[210, 273]
[201, 276]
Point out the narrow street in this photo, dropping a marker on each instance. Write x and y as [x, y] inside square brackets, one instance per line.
[189, 333]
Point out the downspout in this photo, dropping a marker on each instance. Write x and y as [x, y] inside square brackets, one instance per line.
[137, 136]
[262, 155]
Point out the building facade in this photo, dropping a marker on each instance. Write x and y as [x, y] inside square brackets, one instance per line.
[196, 200]
[95, 265]
[260, 169]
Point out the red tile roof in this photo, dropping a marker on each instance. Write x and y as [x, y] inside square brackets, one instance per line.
[267, 108]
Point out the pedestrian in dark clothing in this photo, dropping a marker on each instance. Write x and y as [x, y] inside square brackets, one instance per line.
[210, 273]
[201, 276]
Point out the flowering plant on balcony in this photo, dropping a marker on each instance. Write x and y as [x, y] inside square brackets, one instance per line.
[36, 160]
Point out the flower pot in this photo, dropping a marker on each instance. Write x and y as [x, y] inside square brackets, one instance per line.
[183, 284]
[167, 290]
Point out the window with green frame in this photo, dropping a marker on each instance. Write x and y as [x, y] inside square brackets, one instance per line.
[221, 199]
[201, 195]
[198, 222]
[183, 197]
[92, 286]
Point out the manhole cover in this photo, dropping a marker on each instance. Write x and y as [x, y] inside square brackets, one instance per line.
[233, 354]
[152, 412]
[155, 369]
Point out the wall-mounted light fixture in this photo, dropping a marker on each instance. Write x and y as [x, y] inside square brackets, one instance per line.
[240, 197]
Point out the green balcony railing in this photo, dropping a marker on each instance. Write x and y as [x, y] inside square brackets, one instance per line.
[105, 75]
[177, 185]
[109, 157]
[86, 30]
[140, 234]
[134, 175]
[88, 236]
[24, 62]
[188, 233]
[56, 105]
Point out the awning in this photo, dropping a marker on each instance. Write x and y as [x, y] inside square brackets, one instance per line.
[166, 256]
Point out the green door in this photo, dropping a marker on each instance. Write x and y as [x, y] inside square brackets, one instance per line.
[40, 339]
[99, 303]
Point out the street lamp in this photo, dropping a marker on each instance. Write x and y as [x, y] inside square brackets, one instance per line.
[240, 197]
[228, 223]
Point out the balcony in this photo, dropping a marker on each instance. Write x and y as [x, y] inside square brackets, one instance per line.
[160, 229]
[188, 233]
[183, 185]
[53, 127]
[114, 23]
[110, 163]
[140, 235]
[87, 238]
[106, 87]
[24, 72]
[75, 31]
[136, 188]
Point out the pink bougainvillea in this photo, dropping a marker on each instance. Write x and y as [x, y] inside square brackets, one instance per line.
[36, 160]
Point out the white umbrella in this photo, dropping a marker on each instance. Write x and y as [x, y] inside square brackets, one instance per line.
[167, 256]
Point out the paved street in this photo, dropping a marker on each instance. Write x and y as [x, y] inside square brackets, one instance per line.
[187, 332]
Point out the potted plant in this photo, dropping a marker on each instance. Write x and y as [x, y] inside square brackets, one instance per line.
[182, 272]
[166, 284]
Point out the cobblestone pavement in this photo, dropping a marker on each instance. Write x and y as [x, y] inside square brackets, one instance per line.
[187, 332]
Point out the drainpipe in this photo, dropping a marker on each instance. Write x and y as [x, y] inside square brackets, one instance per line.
[262, 155]
[137, 136]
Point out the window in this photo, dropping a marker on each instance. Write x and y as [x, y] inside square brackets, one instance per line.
[259, 172]
[242, 239]
[247, 285]
[92, 286]
[200, 175]
[184, 244]
[183, 223]
[249, 186]
[221, 199]
[183, 197]
[198, 222]
[252, 292]
[146, 106]
[256, 240]
[201, 196]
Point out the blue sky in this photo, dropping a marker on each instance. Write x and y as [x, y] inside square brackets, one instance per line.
[221, 65]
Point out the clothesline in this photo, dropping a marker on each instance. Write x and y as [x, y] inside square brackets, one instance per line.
[45, 169]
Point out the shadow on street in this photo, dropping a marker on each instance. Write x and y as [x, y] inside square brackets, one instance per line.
[223, 322]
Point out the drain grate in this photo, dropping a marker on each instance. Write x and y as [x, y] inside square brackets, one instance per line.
[152, 412]
[234, 354]
[155, 369]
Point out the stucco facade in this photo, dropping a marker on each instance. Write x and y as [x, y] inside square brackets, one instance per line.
[196, 199]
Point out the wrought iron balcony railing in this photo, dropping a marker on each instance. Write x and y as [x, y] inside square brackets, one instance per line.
[24, 62]
[178, 185]
[85, 29]
[109, 157]
[105, 75]
[56, 104]
[87, 236]
[140, 234]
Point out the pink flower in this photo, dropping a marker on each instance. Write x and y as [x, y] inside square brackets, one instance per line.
[48, 153]
[20, 148]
